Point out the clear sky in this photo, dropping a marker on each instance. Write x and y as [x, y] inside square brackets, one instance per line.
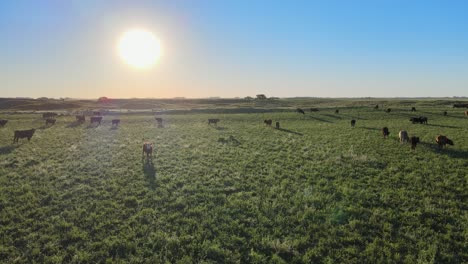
[235, 48]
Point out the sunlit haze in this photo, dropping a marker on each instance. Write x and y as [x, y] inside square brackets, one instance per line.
[87, 48]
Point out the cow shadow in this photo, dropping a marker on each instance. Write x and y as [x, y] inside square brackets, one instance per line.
[333, 116]
[74, 124]
[290, 131]
[8, 149]
[319, 119]
[442, 126]
[371, 128]
[150, 172]
[90, 126]
[448, 150]
[219, 128]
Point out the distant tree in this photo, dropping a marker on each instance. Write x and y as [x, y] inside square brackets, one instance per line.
[103, 99]
[261, 96]
[42, 98]
[248, 98]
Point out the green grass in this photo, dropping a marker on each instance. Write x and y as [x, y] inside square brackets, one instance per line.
[317, 191]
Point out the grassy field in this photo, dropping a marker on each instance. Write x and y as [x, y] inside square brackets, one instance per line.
[316, 191]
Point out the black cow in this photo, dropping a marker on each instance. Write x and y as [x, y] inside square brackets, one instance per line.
[158, 119]
[385, 132]
[314, 110]
[80, 118]
[388, 110]
[213, 121]
[376, 107]
[23, 134]
[414, 141]
[353, 123]
[460, 106]
[97, 113]
[300, 111]
[50, 121]
[413, 109]
[115, 122]
[420, 120]
[96, 119]
[268, 122]
[148, 150]
[48, 115]
[3, 122]
[445, 113]
[337, 111]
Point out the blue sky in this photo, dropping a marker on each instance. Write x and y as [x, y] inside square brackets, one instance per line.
[237, 48]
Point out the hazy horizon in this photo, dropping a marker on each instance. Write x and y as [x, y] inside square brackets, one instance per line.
[329, 49]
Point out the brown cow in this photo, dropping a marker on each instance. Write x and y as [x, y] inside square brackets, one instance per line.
[466, 113]
[414, 141]
[3, 122]
[213, 121]
[268, 122]
[50, 121]
[115, 122]
[385, 132]
[443, 140]
[403, 135]
[148, 150]
[80, 118]
[23, 134]
[96, 119]
[353, 123]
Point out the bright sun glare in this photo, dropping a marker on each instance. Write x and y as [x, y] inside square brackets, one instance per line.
[139, 48]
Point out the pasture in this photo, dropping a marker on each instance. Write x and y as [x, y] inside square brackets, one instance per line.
[314, 191]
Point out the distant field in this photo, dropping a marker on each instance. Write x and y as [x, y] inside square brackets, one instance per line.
[317, 191]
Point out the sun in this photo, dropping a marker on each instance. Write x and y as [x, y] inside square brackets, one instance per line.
[139, 48]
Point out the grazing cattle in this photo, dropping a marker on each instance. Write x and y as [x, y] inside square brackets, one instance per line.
[385, 132]
[48, 115]
[403, 135]
[353, 123]
[421, 120]
[97, 113]
[413, 109]
[314, 110]
[337, 111]
[158, 119]
[80, 118]
[23, 134]
[445, 113]
[388, 110]
[3, 122]
[376, 107]
[50, 121]
[96, 119]
[277, 125]
[466, 113]
[115, 122]
[213, 121]
[268, 122]
[300, 111]
[148, 150]
[443, 140]
[460, 106]
[414, 141]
